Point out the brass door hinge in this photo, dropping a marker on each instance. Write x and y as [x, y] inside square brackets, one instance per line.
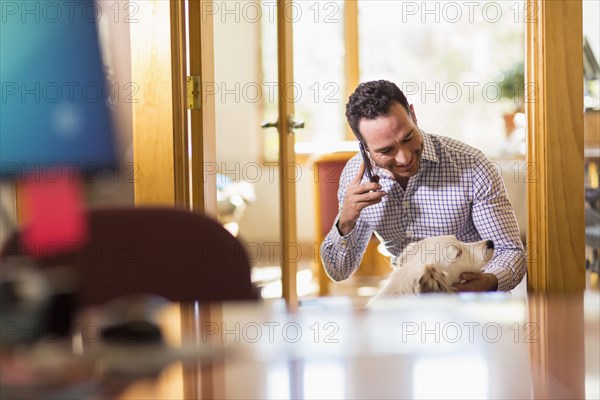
[193, 92]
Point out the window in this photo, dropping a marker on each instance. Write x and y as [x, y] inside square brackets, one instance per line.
[449, 59]
[318, 90]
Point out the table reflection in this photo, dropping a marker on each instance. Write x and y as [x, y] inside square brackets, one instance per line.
[467, 346]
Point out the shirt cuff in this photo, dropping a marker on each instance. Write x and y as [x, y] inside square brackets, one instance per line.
[341, 240]
[503, 276]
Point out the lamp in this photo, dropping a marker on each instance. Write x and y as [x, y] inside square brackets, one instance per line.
[54, 116]
[54, 100]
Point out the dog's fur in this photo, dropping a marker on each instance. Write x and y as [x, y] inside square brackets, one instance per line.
[434, 265]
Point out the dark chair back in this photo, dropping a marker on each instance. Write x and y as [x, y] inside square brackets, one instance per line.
[180, 255]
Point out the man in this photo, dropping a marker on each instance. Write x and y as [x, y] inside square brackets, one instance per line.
[429, 185]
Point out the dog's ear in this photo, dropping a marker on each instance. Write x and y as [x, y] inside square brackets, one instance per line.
[434, 280]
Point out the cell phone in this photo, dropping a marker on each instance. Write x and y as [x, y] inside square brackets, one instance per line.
[368, 167]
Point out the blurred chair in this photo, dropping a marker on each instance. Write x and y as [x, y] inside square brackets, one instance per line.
[179, 255]
[328, 169]
[176, 254]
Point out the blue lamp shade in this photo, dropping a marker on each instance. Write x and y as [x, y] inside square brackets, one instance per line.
[54, 100]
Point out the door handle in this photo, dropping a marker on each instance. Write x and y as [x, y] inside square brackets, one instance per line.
[293, 124]
[266, 125]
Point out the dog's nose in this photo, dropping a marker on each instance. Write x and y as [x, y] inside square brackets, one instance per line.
[489, 244]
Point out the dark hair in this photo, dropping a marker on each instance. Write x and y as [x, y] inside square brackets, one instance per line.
[371, 100]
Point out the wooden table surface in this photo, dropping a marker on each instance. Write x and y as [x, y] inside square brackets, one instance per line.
[467, 346]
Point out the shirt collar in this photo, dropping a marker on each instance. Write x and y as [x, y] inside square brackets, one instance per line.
[429, 153]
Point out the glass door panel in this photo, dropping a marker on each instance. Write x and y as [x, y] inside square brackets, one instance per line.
[246, 96]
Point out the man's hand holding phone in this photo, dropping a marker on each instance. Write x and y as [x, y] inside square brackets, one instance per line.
[358, 196]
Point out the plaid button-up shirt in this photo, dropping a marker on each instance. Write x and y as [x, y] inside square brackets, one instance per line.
[456, 191]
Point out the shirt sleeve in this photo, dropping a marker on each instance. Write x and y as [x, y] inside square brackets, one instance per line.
[341, 255]
[495, 220]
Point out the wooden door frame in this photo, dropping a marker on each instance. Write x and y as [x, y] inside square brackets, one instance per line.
[203, 125]
[181, 143]
[287, 157]
[155, 124]
[556, 228]
[554, 104]
[165, 172]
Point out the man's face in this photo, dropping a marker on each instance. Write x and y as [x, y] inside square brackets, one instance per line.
[394, 141]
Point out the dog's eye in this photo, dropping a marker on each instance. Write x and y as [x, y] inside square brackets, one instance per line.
[454, 253]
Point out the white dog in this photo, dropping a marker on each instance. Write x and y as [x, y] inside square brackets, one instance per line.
[434, 265]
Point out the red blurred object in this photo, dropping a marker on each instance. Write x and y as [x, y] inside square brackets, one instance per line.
[54, 216]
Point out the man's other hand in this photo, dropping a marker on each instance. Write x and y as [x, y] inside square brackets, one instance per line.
[477, 282]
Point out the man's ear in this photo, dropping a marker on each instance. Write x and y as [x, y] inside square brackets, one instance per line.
[413, 116]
